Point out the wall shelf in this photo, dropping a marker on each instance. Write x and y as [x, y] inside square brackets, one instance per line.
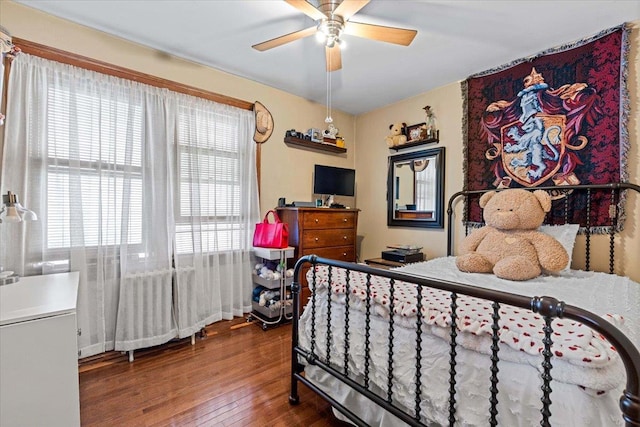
[321, 146]
[417, 143]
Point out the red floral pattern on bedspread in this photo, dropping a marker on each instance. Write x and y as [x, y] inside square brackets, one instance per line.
[520, 329]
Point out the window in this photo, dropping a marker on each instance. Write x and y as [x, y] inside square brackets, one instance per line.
[107, 140]
[108, 135]
[426, 184]
[209, 212]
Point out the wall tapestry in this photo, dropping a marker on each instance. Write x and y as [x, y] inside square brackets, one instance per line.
[557, 118]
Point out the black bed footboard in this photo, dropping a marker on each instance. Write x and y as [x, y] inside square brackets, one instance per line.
[322, 340]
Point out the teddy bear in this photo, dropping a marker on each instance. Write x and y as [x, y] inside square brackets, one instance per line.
[510, 245]
[397, 136]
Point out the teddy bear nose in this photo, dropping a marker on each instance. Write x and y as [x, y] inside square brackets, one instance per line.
[505, 218]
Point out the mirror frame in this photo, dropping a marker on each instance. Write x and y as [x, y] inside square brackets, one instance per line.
[438, 218]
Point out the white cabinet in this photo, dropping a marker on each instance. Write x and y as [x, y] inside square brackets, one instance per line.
[39, 352]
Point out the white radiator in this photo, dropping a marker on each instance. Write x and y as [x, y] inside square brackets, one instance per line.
[186, 293]
[145, 317]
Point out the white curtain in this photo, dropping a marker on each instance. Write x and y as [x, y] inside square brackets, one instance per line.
[215, 218]
[144, 317]
[426, 187]
[97, 158]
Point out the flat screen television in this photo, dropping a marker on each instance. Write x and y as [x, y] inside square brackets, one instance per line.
[335, 181]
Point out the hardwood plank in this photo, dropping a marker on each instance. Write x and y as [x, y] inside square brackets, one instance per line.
[236, 374]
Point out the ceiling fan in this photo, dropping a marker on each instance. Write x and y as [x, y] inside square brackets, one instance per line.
[332, 18]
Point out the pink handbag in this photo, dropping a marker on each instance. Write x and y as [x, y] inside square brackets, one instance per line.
[271, 234]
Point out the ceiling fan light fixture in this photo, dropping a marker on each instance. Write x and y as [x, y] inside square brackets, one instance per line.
[330, 30]
[321, 37]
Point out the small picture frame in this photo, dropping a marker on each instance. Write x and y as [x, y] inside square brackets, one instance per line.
[416, 132]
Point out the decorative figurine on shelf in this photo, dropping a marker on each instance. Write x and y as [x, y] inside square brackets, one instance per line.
[430, 123]
[331, 131]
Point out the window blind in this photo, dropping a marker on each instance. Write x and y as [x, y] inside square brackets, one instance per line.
[209, 213]
[92, 141]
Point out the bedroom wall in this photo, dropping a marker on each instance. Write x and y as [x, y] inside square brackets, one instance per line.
[446, 102]
[371, 167]
[286, 172]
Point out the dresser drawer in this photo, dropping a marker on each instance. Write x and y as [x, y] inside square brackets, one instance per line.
[329, 219]
[323, 238]
[340, 253]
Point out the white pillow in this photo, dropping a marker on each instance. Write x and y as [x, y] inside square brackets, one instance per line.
[565, 234]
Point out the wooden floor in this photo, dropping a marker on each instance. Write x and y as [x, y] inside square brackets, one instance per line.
[236, 375]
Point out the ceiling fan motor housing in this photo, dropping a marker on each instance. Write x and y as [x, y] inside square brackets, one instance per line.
[328, 6]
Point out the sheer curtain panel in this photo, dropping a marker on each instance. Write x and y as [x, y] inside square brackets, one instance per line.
[102, 161]
[145, 316]
[216, 211]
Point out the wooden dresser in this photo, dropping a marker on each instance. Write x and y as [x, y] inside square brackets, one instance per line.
[326, 232]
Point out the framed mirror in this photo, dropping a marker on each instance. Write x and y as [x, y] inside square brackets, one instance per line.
[415, 189]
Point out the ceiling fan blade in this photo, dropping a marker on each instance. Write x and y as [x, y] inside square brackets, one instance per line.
[378, 32]
[334, 59]
[348, 8]
[307, 8]
[278, 41]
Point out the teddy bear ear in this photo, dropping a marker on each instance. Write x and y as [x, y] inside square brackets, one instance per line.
[390, 126]
[486, 197]
[544, 198]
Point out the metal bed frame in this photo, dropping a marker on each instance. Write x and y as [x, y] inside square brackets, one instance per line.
[549, 308]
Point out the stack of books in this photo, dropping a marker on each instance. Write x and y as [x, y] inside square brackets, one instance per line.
[403, 253]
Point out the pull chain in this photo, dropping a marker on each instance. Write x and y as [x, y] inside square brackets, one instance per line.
[329, 119]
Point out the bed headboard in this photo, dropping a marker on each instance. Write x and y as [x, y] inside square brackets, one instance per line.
[568, 201]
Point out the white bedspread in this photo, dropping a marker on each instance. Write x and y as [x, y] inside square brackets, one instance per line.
[520, 382]
[599, 293]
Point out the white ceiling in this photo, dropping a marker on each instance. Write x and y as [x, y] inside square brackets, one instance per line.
[455, 39]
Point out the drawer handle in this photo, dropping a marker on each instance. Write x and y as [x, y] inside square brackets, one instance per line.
[344, 237]
[316, 220]
[345, 220]
[344, 254]
[317, 239]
